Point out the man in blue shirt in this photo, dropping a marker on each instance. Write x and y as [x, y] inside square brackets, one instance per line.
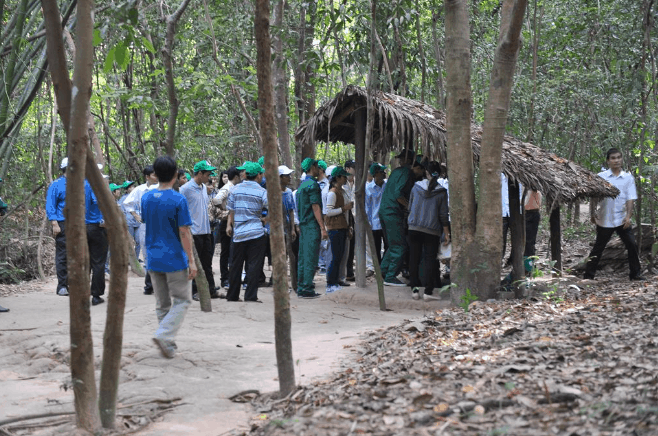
[246, 203]
[168, 242]
[196, 193]
[55, 203]
[97, 243]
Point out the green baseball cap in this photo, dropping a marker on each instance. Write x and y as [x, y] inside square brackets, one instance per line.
[376, 167]
[323, 165]
[189, 176]
[308, 163]
[261, 161]
[127, 183]
[339, 171]
[203, 165]
[253, 169]
[114, 187]
[243, 167]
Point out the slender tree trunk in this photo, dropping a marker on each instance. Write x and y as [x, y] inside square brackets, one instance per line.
[282, 319]
[489, 220]
[536, 24]
[281, 86]
[459, 148]
[421, 51]
[440, 98]
[11, 64]
[167, 54]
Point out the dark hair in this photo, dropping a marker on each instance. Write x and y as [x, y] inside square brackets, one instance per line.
[332, 182]
[613, 150]
[233, 172]
[349, 164]
[165, 168]
[181, 172]
[251, 177]
[148, 170]
[220, 179]
[434, 168]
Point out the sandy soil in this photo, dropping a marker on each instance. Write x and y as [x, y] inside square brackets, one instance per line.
[220, 353]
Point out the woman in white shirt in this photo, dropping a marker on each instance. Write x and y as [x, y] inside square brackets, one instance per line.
[336, 221]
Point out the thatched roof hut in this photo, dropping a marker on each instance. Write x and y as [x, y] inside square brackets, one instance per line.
[400, 121]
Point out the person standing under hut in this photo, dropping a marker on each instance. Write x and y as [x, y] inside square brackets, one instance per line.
[246, 203]
[55, 203]
[374, 191]
[196, 193]
[338, 228]
[428, 219]
[168, 241]
[614, 215]
[311, 228]
[392, 209]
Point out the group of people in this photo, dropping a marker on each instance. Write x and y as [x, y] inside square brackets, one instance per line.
[175, 213]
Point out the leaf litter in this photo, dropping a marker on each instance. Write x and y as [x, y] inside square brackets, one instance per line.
[569, 362]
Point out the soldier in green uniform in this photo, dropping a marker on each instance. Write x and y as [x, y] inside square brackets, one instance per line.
[311, 227]
[392, 208]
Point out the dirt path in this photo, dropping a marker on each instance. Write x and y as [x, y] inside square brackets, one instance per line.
[220, 353]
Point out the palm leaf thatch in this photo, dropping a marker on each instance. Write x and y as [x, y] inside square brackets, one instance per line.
[402, 122]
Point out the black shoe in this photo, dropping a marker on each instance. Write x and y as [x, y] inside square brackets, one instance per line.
[225, 284]
[216, 295]
[253, 301]
[405, 273]
[3, 309]
[95, 301]
[638, 278]
[308, 295]
[344, 284]
[350, 279]
[148, 291]
[195, 297]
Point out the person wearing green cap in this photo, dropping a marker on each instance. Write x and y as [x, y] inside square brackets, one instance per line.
[312, 228]
[392, 209]
[246, 202]
[338, 227]
[325, 245]
[196, 193]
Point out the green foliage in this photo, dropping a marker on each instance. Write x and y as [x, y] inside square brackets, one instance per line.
[467, 299]
[9, 273]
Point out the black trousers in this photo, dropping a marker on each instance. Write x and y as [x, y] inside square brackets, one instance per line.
[505, 229]
[379, 237]
[350, 259]
[603, 235]
[225, 252]
[251, 252]
[532, 218]
[60, 258]
[426, 246]
[97, 242]
[204, 248]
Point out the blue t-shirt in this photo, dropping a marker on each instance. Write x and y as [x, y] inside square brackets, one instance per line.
[93, 213]
[164, 212]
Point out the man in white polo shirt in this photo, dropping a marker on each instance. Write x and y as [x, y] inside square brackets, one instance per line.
[614, 215]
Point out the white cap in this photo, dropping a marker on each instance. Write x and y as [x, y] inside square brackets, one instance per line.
[64, 164]
[284, 170]
[330, 169]
[100, 166]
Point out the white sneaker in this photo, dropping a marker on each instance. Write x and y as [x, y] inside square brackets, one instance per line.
[415, 294]
[333, 288]
[63, 292]
[428, 297]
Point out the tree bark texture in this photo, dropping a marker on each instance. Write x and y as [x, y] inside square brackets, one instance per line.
[82, 350]
[280, 78]
[282, 319]
[360, 121]
[460, 156]
[556, 238]
[167, 54]
[489, 220]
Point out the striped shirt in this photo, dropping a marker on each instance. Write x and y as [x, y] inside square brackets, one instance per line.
[247, 200]
[197, 203]
[373, 198]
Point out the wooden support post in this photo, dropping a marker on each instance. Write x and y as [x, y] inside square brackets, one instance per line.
[517, 230]
[556, 239]
[360, 197]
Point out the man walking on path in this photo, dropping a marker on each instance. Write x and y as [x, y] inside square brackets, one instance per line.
[614, 215]
[392, 209]
[132, 205]
[97, 243]
[55, 203]
[311, 228]
[197, 200]
[171, 259]
[246, 203]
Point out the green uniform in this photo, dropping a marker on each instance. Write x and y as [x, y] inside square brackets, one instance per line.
[391, 216]
[308, 194]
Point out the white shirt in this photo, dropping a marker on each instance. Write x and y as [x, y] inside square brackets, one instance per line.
[332, 210]
[133, 202]
[612, 211]
[504, 192]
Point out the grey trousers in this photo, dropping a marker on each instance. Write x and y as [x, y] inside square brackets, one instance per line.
[171, 287]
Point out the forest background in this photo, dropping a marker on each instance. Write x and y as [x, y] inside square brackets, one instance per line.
[586, 81]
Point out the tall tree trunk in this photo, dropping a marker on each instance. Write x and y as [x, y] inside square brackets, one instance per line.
[489, 220]
[167, 54]
[77, 253]
[281, 86]
[460, 156]
[11, 64]
[440, 97]
[421, 51]
[536, 25]
[282, 319]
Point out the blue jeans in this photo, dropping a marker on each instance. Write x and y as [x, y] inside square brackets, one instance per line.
[133, 232]
[337, 238]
